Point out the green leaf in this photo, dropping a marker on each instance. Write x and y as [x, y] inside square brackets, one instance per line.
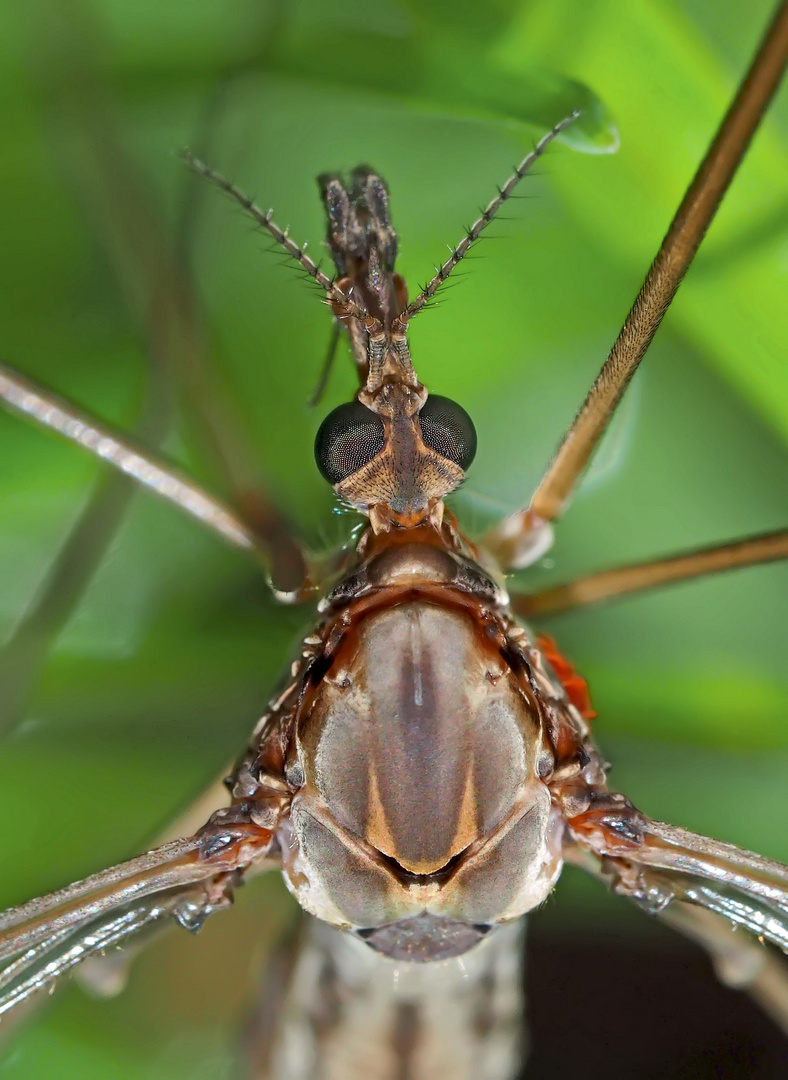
[432, 72]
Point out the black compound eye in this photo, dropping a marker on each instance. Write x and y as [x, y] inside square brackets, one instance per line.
[448, 430]
[347, 440]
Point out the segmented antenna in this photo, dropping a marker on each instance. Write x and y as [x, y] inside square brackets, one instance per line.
[266, 220]
[482, 222]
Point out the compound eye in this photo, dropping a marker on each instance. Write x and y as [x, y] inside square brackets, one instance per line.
[448, 430]
[347, 440]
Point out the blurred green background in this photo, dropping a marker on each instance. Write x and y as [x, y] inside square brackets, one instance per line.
[170, 648]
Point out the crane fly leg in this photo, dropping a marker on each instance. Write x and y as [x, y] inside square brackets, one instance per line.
[656, 864]
[511, 541]
[739, 961]
[626, 580]
[187, 879]
[22, 395]
[259, 533]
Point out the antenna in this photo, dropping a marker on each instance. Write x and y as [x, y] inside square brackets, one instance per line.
[481, 223]
[332, 290]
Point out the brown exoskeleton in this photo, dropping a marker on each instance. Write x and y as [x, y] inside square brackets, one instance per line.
[428, 766]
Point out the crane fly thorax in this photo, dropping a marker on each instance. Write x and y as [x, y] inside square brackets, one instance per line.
[421, 805]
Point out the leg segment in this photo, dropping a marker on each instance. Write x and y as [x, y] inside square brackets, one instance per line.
[188, 879]
[31, 399]
[625, 580]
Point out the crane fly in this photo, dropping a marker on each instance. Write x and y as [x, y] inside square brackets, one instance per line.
[428, 765]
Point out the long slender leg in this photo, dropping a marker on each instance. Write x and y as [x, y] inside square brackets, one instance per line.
[626, 580]
[511, 541]
[33, 400]
[190, 878]
[739, 960]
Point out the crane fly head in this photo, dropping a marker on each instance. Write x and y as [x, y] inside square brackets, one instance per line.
[396, 451]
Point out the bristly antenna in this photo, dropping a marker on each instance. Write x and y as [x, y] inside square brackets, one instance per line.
[481, 223]
[333, 292]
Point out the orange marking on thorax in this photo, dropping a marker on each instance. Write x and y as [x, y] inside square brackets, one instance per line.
[573, 683]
